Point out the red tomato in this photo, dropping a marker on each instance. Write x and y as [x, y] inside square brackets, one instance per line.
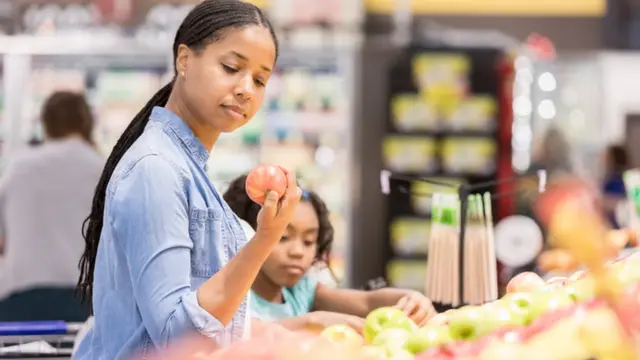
[263, 179]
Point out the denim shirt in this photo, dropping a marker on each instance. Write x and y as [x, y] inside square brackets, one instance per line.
[166, 230]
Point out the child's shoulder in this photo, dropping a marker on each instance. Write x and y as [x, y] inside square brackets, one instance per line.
[305, 284]
[302, 295]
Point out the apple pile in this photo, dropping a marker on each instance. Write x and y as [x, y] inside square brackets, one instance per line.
[560, 319]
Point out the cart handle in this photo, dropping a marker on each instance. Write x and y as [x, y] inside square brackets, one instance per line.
[33, 328]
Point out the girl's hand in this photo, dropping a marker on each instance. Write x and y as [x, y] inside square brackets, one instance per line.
[418, 307]
[318, 320]
[274, 217]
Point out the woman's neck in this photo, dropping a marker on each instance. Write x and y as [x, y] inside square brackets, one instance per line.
[267, 289]
[200, 129]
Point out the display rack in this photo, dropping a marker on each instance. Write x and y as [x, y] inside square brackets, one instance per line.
[389, 180]
[452, 129]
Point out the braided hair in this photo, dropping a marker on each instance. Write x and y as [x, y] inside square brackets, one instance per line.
[247, 210]
[204, 25]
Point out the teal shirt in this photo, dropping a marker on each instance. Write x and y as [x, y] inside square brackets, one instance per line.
[298, 300]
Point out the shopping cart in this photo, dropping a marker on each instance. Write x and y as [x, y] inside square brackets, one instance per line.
[37, 340]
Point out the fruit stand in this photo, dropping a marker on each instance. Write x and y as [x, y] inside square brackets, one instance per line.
[591, 314]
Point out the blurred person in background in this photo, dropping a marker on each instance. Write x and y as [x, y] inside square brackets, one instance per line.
[553, 154]
[613, 190]
[45, 195]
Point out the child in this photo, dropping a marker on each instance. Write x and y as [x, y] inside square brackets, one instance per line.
[285, 293]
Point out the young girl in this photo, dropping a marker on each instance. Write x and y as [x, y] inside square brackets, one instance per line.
[284, 292]
[165, 257]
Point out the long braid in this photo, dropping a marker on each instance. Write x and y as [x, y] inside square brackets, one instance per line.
[205, 24]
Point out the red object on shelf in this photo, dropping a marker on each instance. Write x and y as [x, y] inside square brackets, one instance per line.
[506, 204]
[542, 46]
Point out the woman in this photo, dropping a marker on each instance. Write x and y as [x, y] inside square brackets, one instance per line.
[44, 197]
[165, 256]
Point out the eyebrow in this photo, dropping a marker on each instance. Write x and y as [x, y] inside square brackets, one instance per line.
[242, 57]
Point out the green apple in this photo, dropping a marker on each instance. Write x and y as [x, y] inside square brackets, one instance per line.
[467, 323]
[342, 334]
[501, 315]
[427, 337]
[582, 290]
[391, 339]
[548, 301]
[369, 352]
[386, 318]
[628, 273]
[519, 304]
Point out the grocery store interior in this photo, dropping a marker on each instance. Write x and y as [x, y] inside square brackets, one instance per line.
[391, 111]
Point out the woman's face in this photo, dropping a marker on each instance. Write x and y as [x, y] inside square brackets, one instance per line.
[223, 85]
[296, 252]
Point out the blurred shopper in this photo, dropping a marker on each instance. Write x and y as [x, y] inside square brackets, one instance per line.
[553, 154]
[616, 163]
[45, 195]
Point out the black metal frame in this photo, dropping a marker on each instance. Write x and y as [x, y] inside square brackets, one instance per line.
[464, 190]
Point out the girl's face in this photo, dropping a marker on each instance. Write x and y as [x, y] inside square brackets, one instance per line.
[223, 85]
[296, 252]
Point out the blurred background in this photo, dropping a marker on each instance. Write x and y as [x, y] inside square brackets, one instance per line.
[458, 90]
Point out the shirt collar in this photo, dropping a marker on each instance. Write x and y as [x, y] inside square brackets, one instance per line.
[182, 132]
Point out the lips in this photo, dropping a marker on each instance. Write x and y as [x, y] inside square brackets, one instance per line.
[295, 270]
[236, 111]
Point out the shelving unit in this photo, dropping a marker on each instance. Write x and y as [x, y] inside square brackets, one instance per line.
[449, 132]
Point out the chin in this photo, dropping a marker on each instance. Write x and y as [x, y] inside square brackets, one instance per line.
[289, 281]
[229, 127]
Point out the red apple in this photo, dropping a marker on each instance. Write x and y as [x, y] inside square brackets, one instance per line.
[263, 179]
[525, 282]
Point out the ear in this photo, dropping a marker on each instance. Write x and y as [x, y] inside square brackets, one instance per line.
[182, 58]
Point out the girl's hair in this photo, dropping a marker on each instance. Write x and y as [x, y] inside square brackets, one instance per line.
[204, 25]
[247, 210]
[66, 113]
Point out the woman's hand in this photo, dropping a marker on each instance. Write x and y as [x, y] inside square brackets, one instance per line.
[418, 307]
[274, 217]
[319, 320]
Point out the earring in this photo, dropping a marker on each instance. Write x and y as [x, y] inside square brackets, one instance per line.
[182, 74]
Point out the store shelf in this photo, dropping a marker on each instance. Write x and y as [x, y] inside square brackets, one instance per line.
[442, 124]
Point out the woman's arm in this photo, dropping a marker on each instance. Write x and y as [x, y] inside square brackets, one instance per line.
[149, 213]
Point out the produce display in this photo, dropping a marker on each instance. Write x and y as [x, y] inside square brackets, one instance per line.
[591, 314]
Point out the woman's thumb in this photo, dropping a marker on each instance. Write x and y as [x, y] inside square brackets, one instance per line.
[271, 202]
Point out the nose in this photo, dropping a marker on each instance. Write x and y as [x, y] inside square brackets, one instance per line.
[296, 249]
[245, 88]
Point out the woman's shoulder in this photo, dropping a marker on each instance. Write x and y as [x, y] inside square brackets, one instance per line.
[145, 165]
